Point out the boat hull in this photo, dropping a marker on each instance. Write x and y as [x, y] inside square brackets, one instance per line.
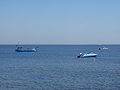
[86, 55]
[25, 50]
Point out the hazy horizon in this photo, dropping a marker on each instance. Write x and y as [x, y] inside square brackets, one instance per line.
[59, 22]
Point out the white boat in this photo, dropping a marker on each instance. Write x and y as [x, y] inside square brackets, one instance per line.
[21, 49]
[104, 48]
[87, 55]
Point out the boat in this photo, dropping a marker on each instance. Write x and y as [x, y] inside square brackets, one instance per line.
[21, 49]
[104, 48]
[85, 55]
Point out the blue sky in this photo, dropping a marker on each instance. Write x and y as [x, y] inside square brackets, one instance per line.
[60, 21]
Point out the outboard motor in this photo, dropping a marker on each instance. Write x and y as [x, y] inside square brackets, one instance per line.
[79, 55]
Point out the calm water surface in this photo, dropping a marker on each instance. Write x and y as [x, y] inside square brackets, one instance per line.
[55, 67]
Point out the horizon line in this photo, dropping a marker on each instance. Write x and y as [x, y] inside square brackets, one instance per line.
[56, 44]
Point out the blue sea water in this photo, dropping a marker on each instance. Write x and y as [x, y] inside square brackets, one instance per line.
[55, 67]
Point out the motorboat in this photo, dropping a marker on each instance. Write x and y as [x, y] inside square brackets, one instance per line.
[104, 48]
[21, 49]
[85, 55]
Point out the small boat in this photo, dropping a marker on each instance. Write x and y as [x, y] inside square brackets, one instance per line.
[104, 48]
[21, 49]
[87, 55]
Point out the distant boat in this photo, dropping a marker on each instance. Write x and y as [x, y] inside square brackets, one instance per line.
[21, 49]
[87, 55]
[104, 48]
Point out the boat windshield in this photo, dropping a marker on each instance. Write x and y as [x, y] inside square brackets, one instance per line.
[19, 47]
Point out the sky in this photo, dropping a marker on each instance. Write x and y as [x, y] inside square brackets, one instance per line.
[60, 21]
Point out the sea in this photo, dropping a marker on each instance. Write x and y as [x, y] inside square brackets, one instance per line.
[56, 67]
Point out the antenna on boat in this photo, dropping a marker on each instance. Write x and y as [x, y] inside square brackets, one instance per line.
[17, 44]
